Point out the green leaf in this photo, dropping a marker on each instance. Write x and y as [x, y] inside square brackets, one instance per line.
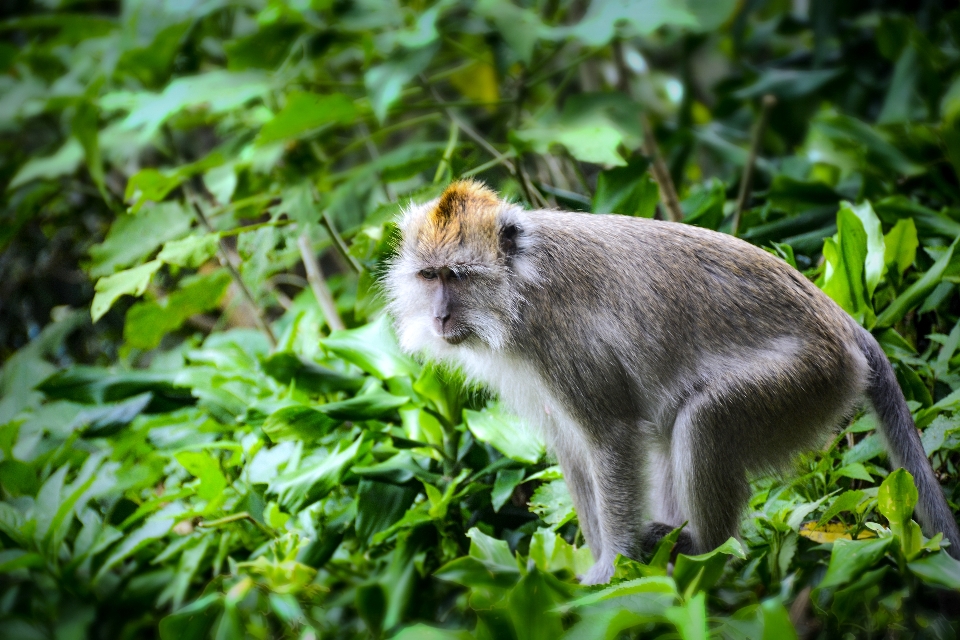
[130, 282]
[85, 128]
[851, 558]
[149, 321]
[874, 263]
[701, 572]
[846, 501]
[519, 27]
[314, 478]
[64, 162]
[638, 17]
[628, 190]
[380, 505]
[534, 594]
[595, 143]
[194, 621]
[505, 432]
[900, 245]
[368, 406]
[373, 348]
[422, 631]
[150, 185]
[207, 469]
[190, 252]
[553, 503]
[506, 481]
[690, 618]
[305, 112]
[134, 237]
[298, 421]
[384, 82]
[937, 569]
[917, 291]
[854, 470]
[896, 500]
[846, 255]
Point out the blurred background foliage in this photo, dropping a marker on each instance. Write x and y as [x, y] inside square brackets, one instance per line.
[206, 427]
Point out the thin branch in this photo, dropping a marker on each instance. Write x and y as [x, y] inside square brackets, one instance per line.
[318, 284]
[658, 168]
[225, 256]
[533, 196]
[661, 174]
[338, 242]
[756, 139]
[445, 161]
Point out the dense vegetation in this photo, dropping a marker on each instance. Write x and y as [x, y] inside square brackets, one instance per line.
[207, 431]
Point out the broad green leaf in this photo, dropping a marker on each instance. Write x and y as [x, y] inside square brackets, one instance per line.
[917, 291]
[854, 470]
[851, 558]
[900, 245]
[505, 432]
[641, 17]
[506, 481]
[150, 185]
[701, 572]
[64, 162]
[134, 237]
[491, 551]
[846, 501]
[606, 624]
[207, 469]
[304, 374]
[628, 190]
[373, 348]
[305, 112]
[534, 594]
[550, 552]
[846, 255]
[194, 621]
[422, 631]
[874, 263]
[190, 252]
[384, 82]
[380, 505]
[147, 322]
[368, 406]
[590, 143]
[690, 618]
[298, 421]
[519, 27]
[553, 503]
[653, 584]
[937, 569]
[130, 282]
[314, 478]
[896, 500]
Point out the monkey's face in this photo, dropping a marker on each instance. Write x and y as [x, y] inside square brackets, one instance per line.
[452, 285]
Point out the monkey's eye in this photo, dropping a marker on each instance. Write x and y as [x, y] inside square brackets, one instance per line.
[428, 274]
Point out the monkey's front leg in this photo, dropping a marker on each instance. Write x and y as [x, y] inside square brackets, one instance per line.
[605, 480]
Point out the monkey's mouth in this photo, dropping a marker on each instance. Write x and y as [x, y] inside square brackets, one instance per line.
[456, 336]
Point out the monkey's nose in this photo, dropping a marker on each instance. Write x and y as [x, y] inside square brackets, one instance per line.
[442, 319]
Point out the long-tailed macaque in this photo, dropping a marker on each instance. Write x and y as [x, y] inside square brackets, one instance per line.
[662, 362]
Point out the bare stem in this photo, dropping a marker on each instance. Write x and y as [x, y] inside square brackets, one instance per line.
[318, 284]
[226, 259]
[756, 139]
[533, 196]
[658, 168]
[338, 242]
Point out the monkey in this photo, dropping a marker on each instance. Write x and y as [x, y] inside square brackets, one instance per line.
[662, 362]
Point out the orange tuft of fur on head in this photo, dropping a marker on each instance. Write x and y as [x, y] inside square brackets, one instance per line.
[466, 209]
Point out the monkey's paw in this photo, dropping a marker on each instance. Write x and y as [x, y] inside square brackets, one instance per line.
[599, 573]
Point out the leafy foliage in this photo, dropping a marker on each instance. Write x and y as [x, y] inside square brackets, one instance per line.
[190, 446]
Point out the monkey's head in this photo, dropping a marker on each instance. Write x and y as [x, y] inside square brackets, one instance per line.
[455, 281]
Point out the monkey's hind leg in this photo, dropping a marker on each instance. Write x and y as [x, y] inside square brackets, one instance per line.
[710, 479]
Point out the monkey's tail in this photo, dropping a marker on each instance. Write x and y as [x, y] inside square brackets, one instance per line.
[899, 434]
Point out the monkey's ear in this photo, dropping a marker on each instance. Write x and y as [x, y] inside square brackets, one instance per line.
[508, 238]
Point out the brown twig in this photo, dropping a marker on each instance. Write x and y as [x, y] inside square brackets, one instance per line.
[658, 168]
[318, 284]
[756, 139]
[338, 242]
[533, 196]
[226, 259]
